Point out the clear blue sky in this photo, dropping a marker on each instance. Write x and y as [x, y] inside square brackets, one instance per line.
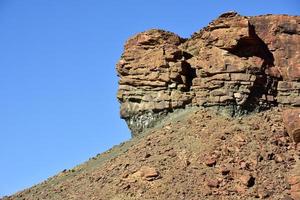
[58, 81]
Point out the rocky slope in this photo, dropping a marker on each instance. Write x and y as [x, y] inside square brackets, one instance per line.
[213, 117]
[195, 154]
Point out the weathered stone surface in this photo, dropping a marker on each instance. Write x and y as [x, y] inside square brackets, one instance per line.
[247, 180]
[294, 181]
[291, 119]
[281, 33]
[241, 63]
[154, 78]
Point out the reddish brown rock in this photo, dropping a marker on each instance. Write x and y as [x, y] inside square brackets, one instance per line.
[295, 195]
[224, 170]
[209, 161]
[295, 191]
[294, 180]
[236, 63]
[148, 173]
[278, 31]
[214, 183]
[247, 180]
[153, 78]
[291, 119]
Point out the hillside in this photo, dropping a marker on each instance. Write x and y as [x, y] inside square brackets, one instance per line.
[213, 116]
[196, 154]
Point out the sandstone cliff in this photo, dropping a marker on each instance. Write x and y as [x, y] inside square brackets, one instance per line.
[236, 64]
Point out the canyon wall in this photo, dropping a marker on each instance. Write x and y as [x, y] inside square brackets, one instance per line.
[236, 64]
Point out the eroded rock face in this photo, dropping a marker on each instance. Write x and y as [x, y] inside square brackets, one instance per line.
[236, 63]
[154, 78]
[281, 33]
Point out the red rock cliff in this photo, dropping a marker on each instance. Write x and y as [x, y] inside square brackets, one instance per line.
[236, 64]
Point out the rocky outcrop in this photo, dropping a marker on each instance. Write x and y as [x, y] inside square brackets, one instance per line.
[154, 78]
[291, 119]
[238, 64]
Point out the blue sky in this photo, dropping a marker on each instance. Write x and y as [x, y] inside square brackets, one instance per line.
[58, 81]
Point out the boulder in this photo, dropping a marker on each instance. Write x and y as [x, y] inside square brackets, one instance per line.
[291, 120]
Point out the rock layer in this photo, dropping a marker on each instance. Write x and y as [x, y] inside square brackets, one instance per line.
[239, 64]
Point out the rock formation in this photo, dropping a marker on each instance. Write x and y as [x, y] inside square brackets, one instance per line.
[291, 120]
[236, 64]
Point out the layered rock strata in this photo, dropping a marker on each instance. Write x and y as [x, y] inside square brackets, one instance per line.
[239, 64]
